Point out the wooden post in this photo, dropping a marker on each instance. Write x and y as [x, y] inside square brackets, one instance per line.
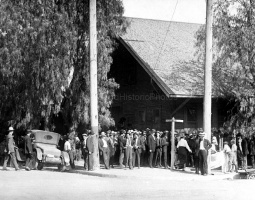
[173, 120]
[93, 81]
[208, 77]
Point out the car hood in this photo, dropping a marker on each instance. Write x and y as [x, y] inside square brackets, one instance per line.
[49, 149]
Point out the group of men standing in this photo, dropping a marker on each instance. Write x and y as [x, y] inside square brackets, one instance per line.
[10, 148]
[135, 148]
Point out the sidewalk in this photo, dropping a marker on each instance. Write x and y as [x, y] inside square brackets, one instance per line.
[151, 173]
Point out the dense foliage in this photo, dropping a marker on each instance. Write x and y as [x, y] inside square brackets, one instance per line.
[234, 56]
[44, 60]
[36, 50]
[110, 24]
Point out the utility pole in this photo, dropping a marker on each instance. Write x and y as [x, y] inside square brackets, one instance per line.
[173, 120]
[208, 76]
[93, 80]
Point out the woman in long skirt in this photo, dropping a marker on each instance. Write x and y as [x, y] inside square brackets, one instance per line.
[182, 148]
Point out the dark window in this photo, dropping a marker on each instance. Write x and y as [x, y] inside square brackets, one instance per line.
[142, 116]
[156, 116]
[191, 114]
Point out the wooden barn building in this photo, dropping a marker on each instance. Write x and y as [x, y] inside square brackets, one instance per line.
[158, 79]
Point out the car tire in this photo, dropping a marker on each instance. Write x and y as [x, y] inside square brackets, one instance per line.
[40, 165]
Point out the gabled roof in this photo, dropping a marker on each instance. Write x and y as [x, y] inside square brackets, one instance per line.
[166, 51]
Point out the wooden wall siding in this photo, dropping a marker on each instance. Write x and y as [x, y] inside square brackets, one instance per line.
[142, 102]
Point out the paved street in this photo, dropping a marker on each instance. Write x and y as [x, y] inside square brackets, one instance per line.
[152, 184]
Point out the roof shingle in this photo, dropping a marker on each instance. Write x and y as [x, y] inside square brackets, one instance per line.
[168, 50]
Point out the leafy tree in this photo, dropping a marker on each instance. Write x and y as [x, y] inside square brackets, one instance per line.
[110, 24]
[44, 60]
[234, 55]
[37, 44]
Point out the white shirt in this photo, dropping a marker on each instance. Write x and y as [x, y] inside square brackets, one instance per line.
[183, 143]
[201, 145]
[67, 146]
[105, 143]
[128, 144]
[234, 148]
[226, 148]
[240, 145]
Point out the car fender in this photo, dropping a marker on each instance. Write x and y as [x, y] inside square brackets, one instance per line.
[65, 156]
[39, 153]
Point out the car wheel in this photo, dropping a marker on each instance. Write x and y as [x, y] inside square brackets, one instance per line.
[40, 165]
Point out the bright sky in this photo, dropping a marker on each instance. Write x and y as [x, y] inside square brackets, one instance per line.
[193, 11]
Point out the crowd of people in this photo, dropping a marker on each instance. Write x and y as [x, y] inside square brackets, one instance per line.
[151, 148]
[147, 148]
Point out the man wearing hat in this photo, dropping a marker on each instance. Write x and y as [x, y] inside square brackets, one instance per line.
[137, 149]
[165, 144]
[10, 150]
[84, 149]
[122, 143]
[203, 146]
[89, 150]
[128, 150]
[103, 147]
[142, 138]
[151, 146]
[158, 150]
[28, 150]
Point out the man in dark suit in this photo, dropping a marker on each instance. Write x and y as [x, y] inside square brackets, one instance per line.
[85, 150]
[28, 150]
[152, 146]
[242, 151]
[90, 150]
[204, 145]
[10, 150]
[142, 138]
[122, 144]
[158, 150]
[165, 144]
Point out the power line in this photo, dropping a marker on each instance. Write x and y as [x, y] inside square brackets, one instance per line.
[168, 28]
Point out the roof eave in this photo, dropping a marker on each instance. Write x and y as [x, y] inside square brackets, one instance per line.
[167, 91]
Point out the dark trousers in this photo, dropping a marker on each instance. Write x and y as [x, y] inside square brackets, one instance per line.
[253, 161]
[90, 161]
[128, 154]
[137, 154]
[165, 158]
[72, 157]
[158, 156]
[203, 161]
[191, 159]
[86, 158]
[196, 163]
[29, 160]
[13, 159]
[151, 158]
[106, 157]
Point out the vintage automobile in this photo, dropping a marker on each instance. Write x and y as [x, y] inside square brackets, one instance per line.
[45, 148]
